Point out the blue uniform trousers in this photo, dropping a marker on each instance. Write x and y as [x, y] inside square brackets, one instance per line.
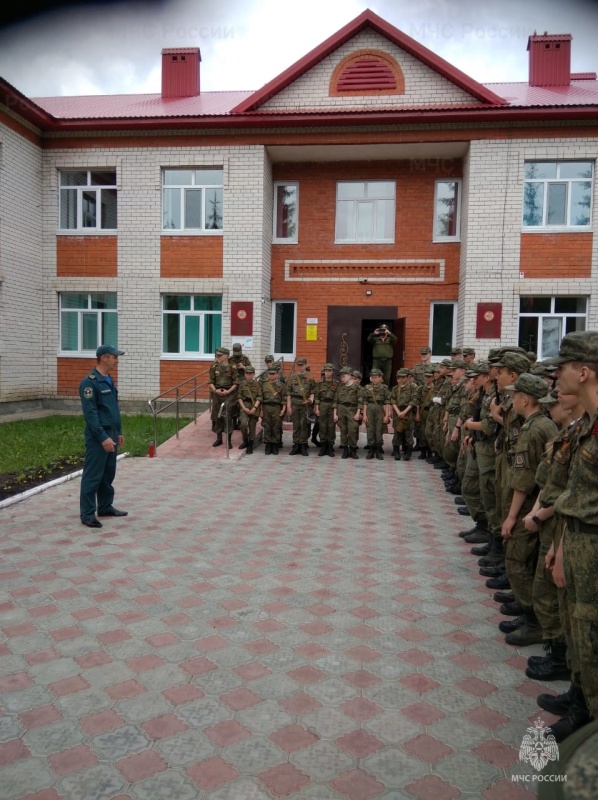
[98, 475]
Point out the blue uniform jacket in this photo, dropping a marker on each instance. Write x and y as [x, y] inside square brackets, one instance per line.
[99, 400]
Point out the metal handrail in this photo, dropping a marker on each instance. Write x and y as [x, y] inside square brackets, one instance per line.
[176, 402]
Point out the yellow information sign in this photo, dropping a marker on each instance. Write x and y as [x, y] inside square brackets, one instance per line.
[311, 333]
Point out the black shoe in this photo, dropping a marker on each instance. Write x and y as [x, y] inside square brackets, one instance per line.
[511, 609]
[295, 450]
[463, 511]
[323, 450]
[553, 667]
[371, 453]
[460, 501]
[441, 464]
[407, 454]
[576, 718]
[303, 449]
[243, 444]
[502, 582]
[479, 537]
[218, 441]
[275, 449]
[113, 512]
[91, 522]
[423, 456]
[503, 597]
[249, 447]
[396, 453]
[268, 449]
[559, 705]
[528, 633]
[510, 625]
[380, 454]
[454, 488]
[491, 572]
[345, 452]
[481, 550]
[476, 528]
[330, 451]
[353, 453]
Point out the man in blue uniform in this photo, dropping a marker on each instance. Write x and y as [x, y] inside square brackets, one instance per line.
[103, 436]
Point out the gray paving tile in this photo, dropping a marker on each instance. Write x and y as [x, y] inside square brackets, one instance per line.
[392, 727]
[144, 706]
[185, 749]
[25, 777]
[254, 755]
[328, 723]
[102, 782]
[32, 697]
[218, 682]
[333, 691]
[165, 786]
[393, 767]
[54, 738]
[245, 788]
[322, 761]
[9, 728]
[82, 703]
[119, 743]
[474, 775]
[203, 713]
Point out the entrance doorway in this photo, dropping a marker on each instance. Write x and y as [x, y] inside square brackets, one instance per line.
[348, 331]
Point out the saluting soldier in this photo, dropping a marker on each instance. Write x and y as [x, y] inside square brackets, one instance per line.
[300, 395]
[376, 409]
[223, 387]
[323, 409]
[403, 399]
[383, 342]
[249, 403]
[348, 402]
[273, 399]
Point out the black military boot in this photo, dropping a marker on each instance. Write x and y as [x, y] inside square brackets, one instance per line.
[512, 609]
[249, 449]
[480, 536]
[441, 464]
[423, 456]
[559, 705]
[454, 487]
[577, 716]
[345, 451]
[396, 453]
[496, 556]
[553, 667]
[243, 444]
[323, 449]
[295, 450]
[218, 441]
[407, 454]
[330, 450]
[460, 501]
[380, 453]
[303, 449]
[491, 572]
[371, 453]
[510, 625]
[353, 453]
[268, 449]
[481, 549]
[275, 449]
[502, 582]
[477, 527]
[528, 633]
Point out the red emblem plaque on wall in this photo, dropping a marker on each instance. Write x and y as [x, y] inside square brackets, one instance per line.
[241, 319]
[489, 320]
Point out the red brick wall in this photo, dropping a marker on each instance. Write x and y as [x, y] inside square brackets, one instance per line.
[71, 372]
[174, 372]
[191, 256]
[556, 255]
[413, 240]
[86, 257]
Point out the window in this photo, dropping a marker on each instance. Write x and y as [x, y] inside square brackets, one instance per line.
[191, 325]
[192, 199]
[87, 321]
[447, 201]
[286, 213]
[557, 194]
[284, 328]
[443, 319]
[88, 200]
[365, 212]
[543, 321]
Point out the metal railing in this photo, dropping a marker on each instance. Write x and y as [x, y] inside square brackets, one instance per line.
[179, 395]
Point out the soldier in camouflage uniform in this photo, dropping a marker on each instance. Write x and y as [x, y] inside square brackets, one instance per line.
[273, 402]
[375, 413]
[469, 473]
[578, 375]
[434, 421]
[523, 459]
[300, 395]
[249, 402]
[418, 371]
[383, 342]
[238, 362]
[450, 450]
[424, 404]
[347, 406]
[323, 409]
[223, 387]
[403, 400]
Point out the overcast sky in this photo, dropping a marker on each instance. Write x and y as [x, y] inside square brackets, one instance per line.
[114, 48]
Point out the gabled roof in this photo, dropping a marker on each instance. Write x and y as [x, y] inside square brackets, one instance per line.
[368, 19]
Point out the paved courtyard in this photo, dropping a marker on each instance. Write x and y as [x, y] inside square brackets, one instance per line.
[257, 628]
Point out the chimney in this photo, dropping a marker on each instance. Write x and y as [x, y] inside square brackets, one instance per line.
[549, 59]
[180, 72]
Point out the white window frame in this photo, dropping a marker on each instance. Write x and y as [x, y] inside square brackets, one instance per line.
[80, 312]
[276, 354]
[87, 188]
[186, 355]
[544, 227]
[182, 188]
[282, 239]
[436, 357]
[552, 314]
[437, 236]
[373, 239]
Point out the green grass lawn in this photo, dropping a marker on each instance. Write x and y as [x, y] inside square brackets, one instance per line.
[28, 444]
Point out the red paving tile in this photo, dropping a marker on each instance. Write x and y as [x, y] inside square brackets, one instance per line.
[419, 683]
[163, 727]
[124, 690]
[432, 787]
[357, 785]
[508, 790]
[13, 750]
[198, 666]
[16, 682]
[423, 713]
[68, 686]
[293, 738]
[362, 679]
[300, 703]
[486, 717]
[427, 748]
[240, 699]
[97, 659]
[185, 693]
[72, 760]
[477, 687]
[496, 752]
[359, 744]
[416, 658]
[226, 733]
[212, 773]
[101, 722]
[360, 708]
[141, 765]
[363, 654]
[38, 717]
[283, 780]
[252, 671]
[307, 674]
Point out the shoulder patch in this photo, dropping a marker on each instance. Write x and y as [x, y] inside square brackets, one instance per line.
[91, 376]
[519, 461]
[87, 392]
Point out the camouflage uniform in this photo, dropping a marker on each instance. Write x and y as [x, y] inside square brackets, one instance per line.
[323, 401]
[273, 398]
[249, 393]
[347, 401]
[300, 387]
[376, 398]
[486, 462]
[467, 464]
[401, 397]
[222, 376]
[450, 450]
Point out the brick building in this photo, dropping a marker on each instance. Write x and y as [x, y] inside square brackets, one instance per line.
[371, 181]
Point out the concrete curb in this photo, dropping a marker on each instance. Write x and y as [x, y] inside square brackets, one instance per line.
[10, 501]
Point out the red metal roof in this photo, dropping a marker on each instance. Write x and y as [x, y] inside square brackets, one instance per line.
[578, 93]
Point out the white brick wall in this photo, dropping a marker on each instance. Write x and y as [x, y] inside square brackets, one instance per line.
[21, 334]
[423, 86]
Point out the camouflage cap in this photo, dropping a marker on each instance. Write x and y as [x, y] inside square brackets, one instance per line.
[425, 350]
[549, 399]
[272, 369]
[531, 355]
[544, 369]
[345, 371]
[222, 351]
[429, 373]
[468, 351]
[517, 362]
[579, 346]
[376, 371]
[403, 372]
[483, 367]
[493, 353]
[301, 361]
[446, 362]
[459, 364]
[237, 347]
[456, 351]
[249, 368]
[269, 357]
[357, 374]
[529, 384]
[328, 366]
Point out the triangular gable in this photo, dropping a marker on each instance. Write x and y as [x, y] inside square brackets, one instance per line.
[471, 89]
